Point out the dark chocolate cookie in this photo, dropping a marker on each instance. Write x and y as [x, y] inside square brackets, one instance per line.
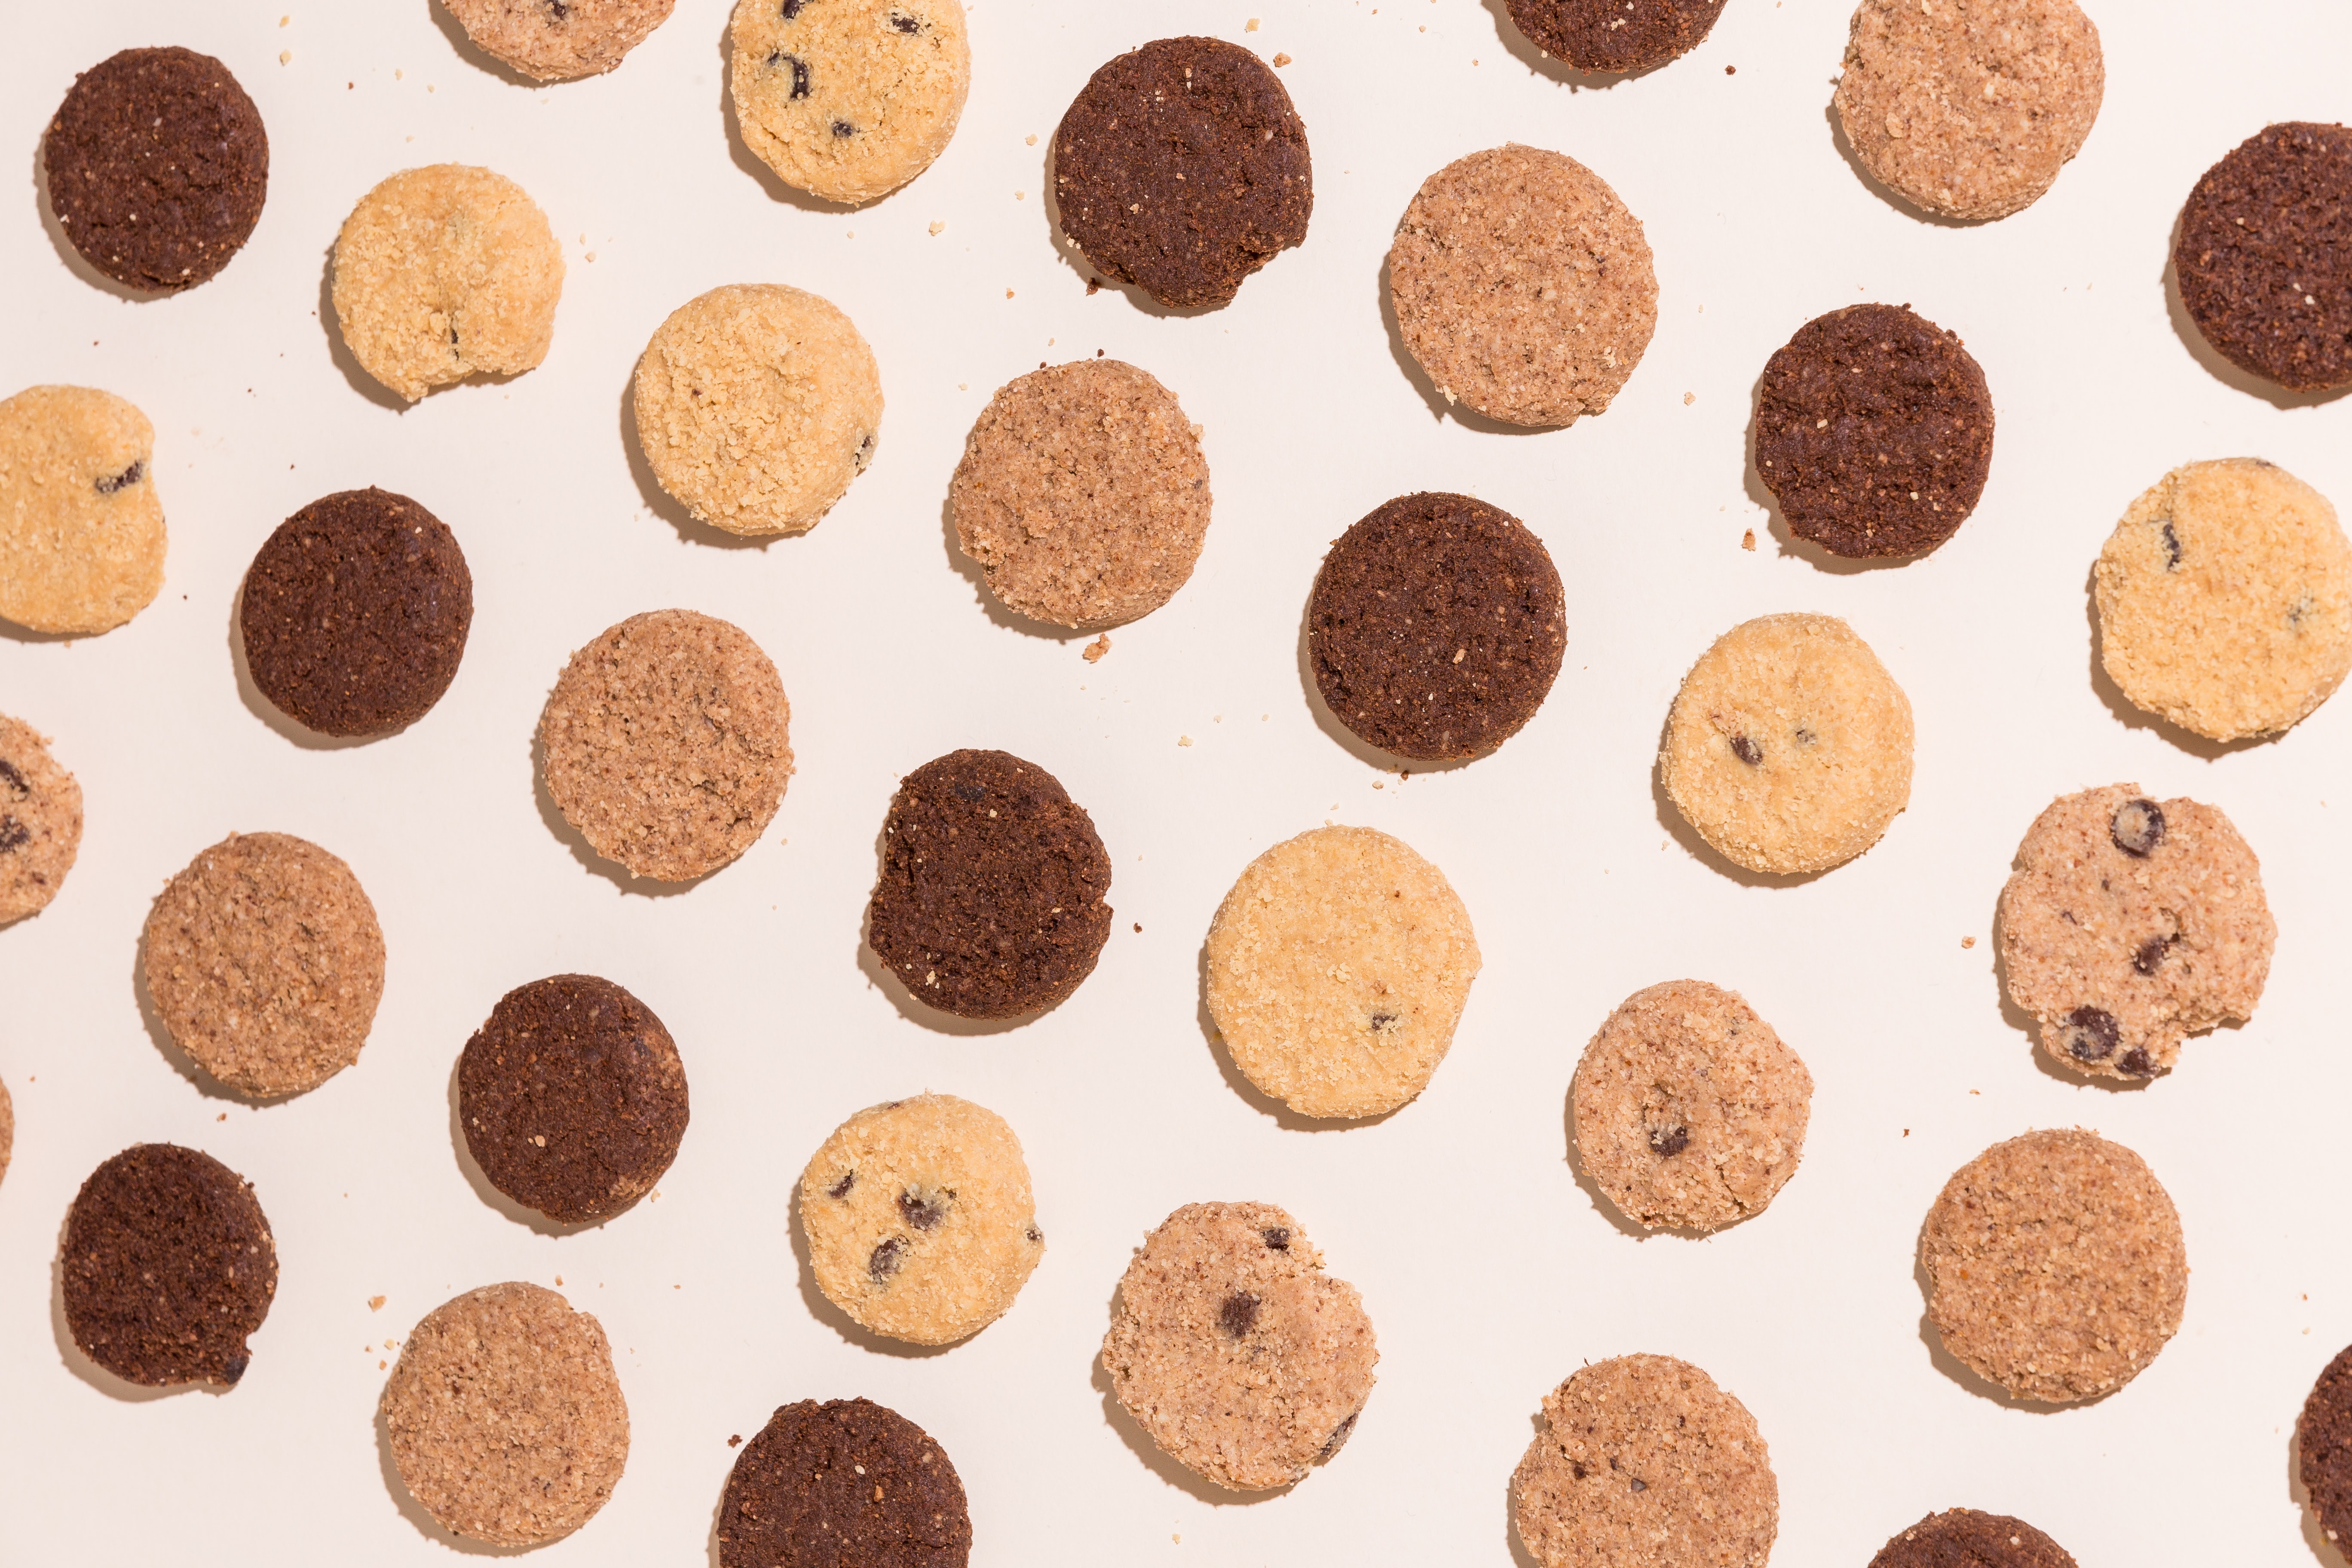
[1613, 36]
[571, 1098]
[991, 900]
[1181, 168]
[168, 1265]
[1436, 628]
[845, 1484]
[157, 164]
[2322, 1440]
[1963, 1537]
[355, 613]
[2265, 256]
[1873, 431]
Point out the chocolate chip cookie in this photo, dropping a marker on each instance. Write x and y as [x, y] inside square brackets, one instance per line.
[845, 1484]
[81, 529]
[848, 99]
[40, 821]
[559, 40]
[1616, 36]
[1963, 1537]
[2265, 256]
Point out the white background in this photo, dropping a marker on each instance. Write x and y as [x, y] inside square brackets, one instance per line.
[1489, 1270]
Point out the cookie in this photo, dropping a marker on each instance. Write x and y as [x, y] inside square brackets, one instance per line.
[157, 166]
[2265, 256]
[1689, 1111]
[1436, 626]
[355, 612]
[2131, 924]
[666, 743]
[2225, 600]
[1082, 494]
[755, 406]
[504, 1417]
[558, 40]
[848, 99]
[1789, 747]
[266, 963]
[1612, 36]
[1182, 167]
[1873, 431]
[1338, 967]
[2323, 1441]
[40, 821]
[989, 904]
[1523, 286]
[81, 530]
[168, 1267]
[572, 1097]
[445, 272]
[1969, 110]
[2055, 1267]
[1963, 1537]
[845, 1484]
[7, 1129]
[1232, 1349]
[1644, 1459]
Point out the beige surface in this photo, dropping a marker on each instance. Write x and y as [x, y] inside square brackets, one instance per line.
[851, 99]
[40, 821]
[81, 529]
[558, 40]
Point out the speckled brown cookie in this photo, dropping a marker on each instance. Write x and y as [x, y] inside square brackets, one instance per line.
[1689, 1111]
[919, 1221]
[168, 1267]
[1337, 968]
[1969, 108]
[2265, 256]
[1232, 1349]
[2130, 924]
[848, 99]
[2225, 600]
[444, 272]
[40, 821]
[572, 1097]
[559, 40]
[1963, 1537]
[2055, 1266]
[2323, 1441]
[81, 531]
[1523, 286]
[666, 743]
[505, 1418]
[1789, 747]
[1615, 36]
[1642, 1459]
[845, 1484]
[1083, 494]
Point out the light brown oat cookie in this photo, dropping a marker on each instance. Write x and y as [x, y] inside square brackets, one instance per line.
[445, 271]
[1969, 108]
[1083, 494]
[2055, 1266]
[2225, 599]
[559, 40]
[1233, 1350]
[1339, 965]
[1689, 1111]
[1789, 747]
[81, 531]
[666, 743]
[504, 1415]
[1523, 286]
[1643, 1461]
[2130, 924]
[266, 963]
[40, 821]
[851, 99]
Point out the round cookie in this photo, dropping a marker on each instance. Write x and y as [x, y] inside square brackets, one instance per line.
[1232, 1349]
[2055, 1267]
[1689, 1111]
[756, 405]
[1963, 1537]
[2129, 925]
[1082, 494]
[666, 744]
[355, 613]
[2225, 600]
[504, 1417]
[1611, 37]
[848, 99]
[157, 166]
[40, 821]
[1523, 286]
[989, 903]
[2265, 256]
[168, 1267]
[1789, 747]
[1436, 626]
[1873, 431]
[1644, 1459]
[266, 963]
[1337, 968]
[559, 40]
[444, 272]
[845, 1484]
[81, 530]
[2323, 1441]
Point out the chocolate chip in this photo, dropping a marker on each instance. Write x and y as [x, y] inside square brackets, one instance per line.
[2150, 955]
[2092, 1034]
[886, 1259]
[801, 83]
[2139, 828]
[1669, 1143]
[924, 1213]
[844, 128]
[840, 1189]
[2171, 548]
[13, 834]
[1384, 1021]
[109, 483]
[1277, 1237]
[1239, 1314]
[1578, 1466]
[233, 1368]
[1338, 1436]
[1747, 751]
[17, 787]
[1037, 1237]
[905, 23]
[793, 8]
[563, 12]
[1640, 1485]
[2136, 1063]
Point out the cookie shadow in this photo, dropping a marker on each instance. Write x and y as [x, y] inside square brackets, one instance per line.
[75, 262]
[1880, 188]
[2133, 717]
[1249, 1094]
[1157, 1459]
[491, 1197]
[2329, 1553]
[1678, 827]
[574, 840]
[994, 607]
[1355, 745]
[2221, 369]
[748, 161]
[819, 1307]
[462, 44]
[1441, 407]
[413, 1511]
[77, 1362]
[1520, 1556]
[1625, 1224]
[1776, 522]
[332, 327]
[269, 712]
[664, 505]
[1098, 279]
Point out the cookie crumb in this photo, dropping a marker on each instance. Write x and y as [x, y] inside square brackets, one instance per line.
[1139, 927]
[1033, 141]
[222, 1117]
[938, 226]
[1968, 941]
[1250, 26]
[1747, 540]
[736, 1440]
[1281, 60]
[1095, 650]
[1731, 70]
[1183, 739]
[375, 1303]
[285, 57]
[1689, 398]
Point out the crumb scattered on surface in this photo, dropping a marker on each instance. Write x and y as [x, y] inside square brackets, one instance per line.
[375, 1303]
[1968, 941]
[1183, 739]
[1282, 59]
[1096, 649]
[1747, 540]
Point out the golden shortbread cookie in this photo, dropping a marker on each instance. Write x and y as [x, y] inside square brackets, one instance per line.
[81, 531]
[848, 99]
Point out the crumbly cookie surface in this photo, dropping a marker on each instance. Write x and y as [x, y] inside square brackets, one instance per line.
[40, 821]
[1613, 36]
[848, 99]
[2322, 1440]
[2265, 256]
[81, 530]
[559, 40]
[845, 1484]
[1964, 1538]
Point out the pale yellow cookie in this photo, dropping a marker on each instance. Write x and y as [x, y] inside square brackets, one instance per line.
[81, 531]
[848, 99]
